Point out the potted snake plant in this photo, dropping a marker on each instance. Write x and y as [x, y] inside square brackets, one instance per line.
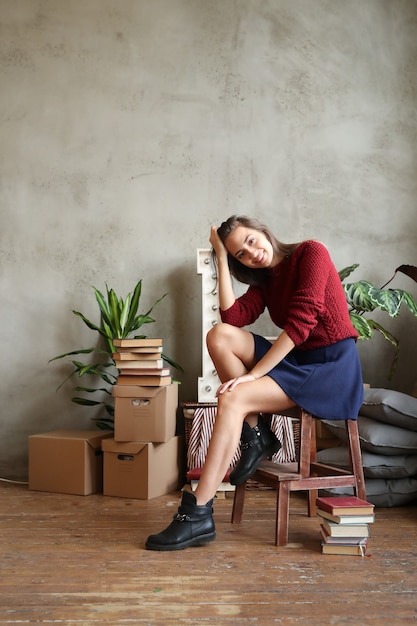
[119, 319]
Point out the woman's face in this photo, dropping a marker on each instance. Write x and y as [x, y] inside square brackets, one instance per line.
[251, 248]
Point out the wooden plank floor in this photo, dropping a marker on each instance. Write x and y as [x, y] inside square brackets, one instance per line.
[81, 560]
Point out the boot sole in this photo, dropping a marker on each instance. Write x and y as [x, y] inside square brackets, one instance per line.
[195, 541]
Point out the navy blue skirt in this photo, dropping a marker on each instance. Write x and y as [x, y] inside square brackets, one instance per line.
[326, 382]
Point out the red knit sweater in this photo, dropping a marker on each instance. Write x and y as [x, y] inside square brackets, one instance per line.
[304, 296]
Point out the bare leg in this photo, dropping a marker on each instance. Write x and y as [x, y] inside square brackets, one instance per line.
[232, 351]
[261, 395]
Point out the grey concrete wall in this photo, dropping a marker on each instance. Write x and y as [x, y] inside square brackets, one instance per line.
[128, 127]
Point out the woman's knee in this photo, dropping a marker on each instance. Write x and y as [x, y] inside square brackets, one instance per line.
[232, 403]
[219, 334]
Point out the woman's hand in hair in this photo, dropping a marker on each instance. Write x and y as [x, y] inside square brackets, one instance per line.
[217, 244]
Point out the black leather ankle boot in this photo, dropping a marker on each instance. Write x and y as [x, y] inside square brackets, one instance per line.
[256, 443]
[193, 525]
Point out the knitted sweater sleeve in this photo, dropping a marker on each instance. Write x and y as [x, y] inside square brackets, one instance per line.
[308, 302]
[246, 309]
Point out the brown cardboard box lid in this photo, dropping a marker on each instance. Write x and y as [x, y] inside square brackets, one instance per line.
[94, 438]
[127, 447]
[136, 391]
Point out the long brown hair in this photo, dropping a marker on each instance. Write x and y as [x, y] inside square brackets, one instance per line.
[243, 274]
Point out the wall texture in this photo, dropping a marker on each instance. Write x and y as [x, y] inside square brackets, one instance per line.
[128, 127]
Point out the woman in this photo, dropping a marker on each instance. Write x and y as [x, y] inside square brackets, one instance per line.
[313, 363]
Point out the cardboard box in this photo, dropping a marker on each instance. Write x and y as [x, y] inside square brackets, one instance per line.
[141, 470]
[145, 413]
[67, 461]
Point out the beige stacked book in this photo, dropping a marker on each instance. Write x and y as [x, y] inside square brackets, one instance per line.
[140, 362]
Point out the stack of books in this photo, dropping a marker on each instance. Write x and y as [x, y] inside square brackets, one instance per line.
[140, 362]
[345, 524]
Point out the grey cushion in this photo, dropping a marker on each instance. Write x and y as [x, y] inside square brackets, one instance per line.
[390, 407]
[378, 437]
[385, 493]
[374, 465]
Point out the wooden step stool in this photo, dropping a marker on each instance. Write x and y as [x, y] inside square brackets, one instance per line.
[305, 475]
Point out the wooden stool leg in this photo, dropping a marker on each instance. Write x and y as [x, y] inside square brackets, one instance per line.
[282, 513]
[238, 502]
[312, 493]
[356, 457]
[311, 502]
[306, 424]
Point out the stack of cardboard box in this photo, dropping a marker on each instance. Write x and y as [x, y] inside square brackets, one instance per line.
[144, 457]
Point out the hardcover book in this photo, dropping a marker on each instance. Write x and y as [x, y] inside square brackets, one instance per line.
[138, 364]
[144, 371]
[141, 350]
[136, 356]
[347, 519]
[348, 530]
[344, 539]
[137, 343]
[345, 505]
[359, 550]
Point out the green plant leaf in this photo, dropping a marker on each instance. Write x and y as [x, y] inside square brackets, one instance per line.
[86, 321]
[133, 309]
[393, 340]
[361, 325]
[93, 369]
[109, 409]
[145, 318]
[70, 375]
[91, 325]
[410, 302]
[388, 300]
[92, 389]
[73, 353]
[110, 381]
[347, 271]
[107, 333]
[386, 333]
[141, 320]
[90, 368]
[103, 424]
[156, 303]
[172, 363]
[124, 315]
[114, 313]
[85, 402]
[358, 296]
[103, 306]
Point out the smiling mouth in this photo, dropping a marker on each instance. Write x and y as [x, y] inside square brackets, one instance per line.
[259, 260]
